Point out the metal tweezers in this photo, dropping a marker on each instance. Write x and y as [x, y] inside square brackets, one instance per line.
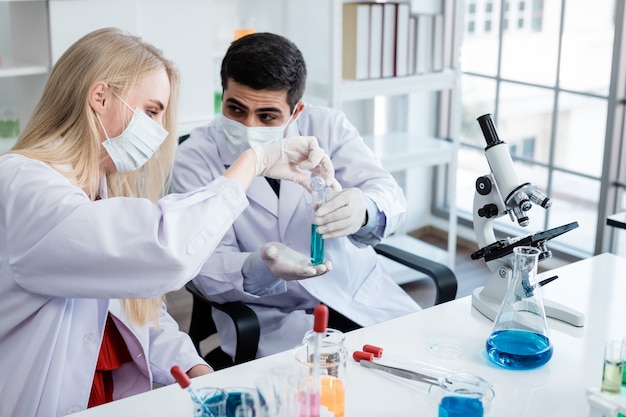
[403, 373]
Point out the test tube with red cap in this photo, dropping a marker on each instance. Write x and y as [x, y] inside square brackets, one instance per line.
[320, 322]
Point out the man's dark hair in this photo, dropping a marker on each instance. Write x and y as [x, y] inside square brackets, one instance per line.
[266, 61]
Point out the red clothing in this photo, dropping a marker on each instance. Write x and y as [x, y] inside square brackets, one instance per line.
[113, 353]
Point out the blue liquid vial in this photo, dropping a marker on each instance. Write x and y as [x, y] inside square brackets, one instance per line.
[460, 407]
[317, 243]
[317, 246]
[519, 349]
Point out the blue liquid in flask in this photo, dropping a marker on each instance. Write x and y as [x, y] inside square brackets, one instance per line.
[317, 246]
[518, 349]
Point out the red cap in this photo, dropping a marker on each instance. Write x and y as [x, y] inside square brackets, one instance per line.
[377, 351]
[320, 315]
[359, 356]
[180, 376]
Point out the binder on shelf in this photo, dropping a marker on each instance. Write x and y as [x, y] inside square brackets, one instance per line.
[438, 42]
[412, 44]
[356, 41]
[384, 39]
[424, 50]
[449, 34]
[376, 41]
[401, 67]
[389, 39]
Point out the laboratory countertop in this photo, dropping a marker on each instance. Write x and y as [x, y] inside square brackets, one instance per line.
[594, 286]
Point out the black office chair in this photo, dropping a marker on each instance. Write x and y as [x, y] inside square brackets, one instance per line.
[247, 329]
[247, 324]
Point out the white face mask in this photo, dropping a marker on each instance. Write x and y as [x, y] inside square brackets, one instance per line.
[137, 143]
[240, 137]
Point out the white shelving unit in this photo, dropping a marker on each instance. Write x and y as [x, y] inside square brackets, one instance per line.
[317, 30]
[349, 90]
[39, 31]
[24, 58]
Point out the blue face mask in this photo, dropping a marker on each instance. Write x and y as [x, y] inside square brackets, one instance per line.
[132, 148]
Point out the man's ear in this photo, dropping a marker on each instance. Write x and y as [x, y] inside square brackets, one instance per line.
[297, 110]
[98, 95]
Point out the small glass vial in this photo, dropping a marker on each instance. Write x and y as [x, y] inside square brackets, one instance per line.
[317, 243]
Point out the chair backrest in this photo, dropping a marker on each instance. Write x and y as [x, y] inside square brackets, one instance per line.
[202, 326]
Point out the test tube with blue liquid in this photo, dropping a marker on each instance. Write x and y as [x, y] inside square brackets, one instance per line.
[317, 243]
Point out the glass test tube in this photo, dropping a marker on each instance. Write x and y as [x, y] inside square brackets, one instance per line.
[317, 243]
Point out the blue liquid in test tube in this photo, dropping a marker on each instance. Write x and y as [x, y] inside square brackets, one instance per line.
[317, 243]
[317, 246]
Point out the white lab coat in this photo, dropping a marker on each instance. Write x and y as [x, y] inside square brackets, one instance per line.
[357, 286]
[65, 261]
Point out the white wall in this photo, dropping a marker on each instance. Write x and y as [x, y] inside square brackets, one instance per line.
[6, 86]
[180, 28]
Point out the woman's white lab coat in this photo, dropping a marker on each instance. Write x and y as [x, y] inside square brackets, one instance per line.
[357, 286]
[65, 262]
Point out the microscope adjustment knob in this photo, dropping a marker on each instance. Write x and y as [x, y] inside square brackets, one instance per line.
[483, 185]
[488, 211]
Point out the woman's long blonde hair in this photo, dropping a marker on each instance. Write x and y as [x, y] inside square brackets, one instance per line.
[120, 60]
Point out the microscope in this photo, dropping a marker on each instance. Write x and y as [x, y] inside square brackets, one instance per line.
[497, 194]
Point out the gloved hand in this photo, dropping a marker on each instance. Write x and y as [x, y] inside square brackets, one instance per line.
[342, 215]
[281, 160]
[289, 264]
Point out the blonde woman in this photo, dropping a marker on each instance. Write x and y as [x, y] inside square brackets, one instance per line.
[88, 243]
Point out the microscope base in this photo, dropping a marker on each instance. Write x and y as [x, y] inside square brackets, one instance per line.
[489, 308]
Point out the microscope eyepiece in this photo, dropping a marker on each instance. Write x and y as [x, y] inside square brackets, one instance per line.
[489, 130]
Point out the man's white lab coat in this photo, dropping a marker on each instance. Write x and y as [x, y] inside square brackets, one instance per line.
[357, 286]
[65, 262]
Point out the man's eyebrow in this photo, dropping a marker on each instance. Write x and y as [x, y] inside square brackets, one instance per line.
[259, 110]
[236, 102]
[269, 110]
[159, 104]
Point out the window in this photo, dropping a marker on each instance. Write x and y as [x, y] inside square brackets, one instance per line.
[524, 149]
[472, 8]
[470, 26]
[547, 86]
[488, 7]
[537, 16]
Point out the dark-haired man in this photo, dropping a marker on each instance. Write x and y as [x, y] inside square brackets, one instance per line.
[264, 259]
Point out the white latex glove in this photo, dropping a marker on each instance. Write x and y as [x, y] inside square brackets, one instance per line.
[281, 161]
[342, 215]
[289, 264]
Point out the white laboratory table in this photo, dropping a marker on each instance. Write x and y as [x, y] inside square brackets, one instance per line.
[595, 286]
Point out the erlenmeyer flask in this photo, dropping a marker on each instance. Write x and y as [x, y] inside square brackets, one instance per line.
[520, 337]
